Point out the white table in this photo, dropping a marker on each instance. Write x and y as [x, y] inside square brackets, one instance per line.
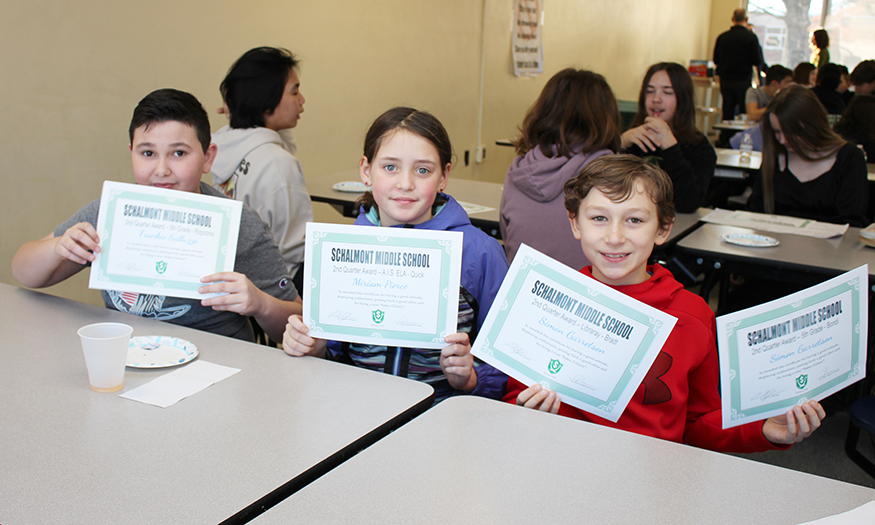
[482, 193]
[71, 455]
[472, 460]
[730, 164]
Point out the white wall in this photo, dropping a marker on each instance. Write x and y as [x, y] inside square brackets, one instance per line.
[72, 73]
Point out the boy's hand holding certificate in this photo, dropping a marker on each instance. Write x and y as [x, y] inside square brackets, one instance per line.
[157, 241]
[381, 286]
[805, 346]
[552, 325]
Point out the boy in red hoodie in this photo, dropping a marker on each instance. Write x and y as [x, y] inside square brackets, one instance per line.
[619, 208]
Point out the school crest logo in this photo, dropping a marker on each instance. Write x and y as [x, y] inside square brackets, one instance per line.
[801, 381]
[378, 316]
[554, 367]
[161, 266]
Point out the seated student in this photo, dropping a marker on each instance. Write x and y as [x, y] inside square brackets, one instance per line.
[828, 79]
[858, 124]
[664, 130]
[575, 120]
[407, 159]
[255, 163]
[863, 78]
[808, 170]
[170, 148]
[619, 208]
[777, 78]
[844, 88]
[805, 74]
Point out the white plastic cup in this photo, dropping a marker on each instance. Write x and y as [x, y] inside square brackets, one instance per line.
[106, 351]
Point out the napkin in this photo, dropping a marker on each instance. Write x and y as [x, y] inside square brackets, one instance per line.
[862, 515]
[179, 384]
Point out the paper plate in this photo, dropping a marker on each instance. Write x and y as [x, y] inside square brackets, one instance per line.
[350, 187]
[750, 239]
[159, 351]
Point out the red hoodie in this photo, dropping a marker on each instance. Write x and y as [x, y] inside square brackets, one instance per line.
[678, 399]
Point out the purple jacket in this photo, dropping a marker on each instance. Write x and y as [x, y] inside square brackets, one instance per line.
[533, 205]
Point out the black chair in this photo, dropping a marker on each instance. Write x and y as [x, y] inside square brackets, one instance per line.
[862, 418]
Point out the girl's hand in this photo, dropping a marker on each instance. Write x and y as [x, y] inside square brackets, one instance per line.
[243, 297]
[794, 426]
[457, 363]
[539, 398]
[296, 342]
[77, 243]
[661, 132]
[642, 136]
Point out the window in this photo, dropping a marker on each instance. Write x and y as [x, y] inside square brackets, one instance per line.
[784, 28]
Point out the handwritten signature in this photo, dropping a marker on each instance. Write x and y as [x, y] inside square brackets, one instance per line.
[519, 350]
[129, 265]
[828, 373]
[407, 322]
[342, 315]
[768, 394]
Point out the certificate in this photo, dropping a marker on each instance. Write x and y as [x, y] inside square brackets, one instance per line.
[589, 343]
[805, 346]
[162, 242]
[382, 286]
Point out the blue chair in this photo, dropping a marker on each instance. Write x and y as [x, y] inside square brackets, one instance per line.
[862, 417]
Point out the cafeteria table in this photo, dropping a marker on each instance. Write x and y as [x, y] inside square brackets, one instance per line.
[472, 460]
[486, 194]
[71, 455]
[731, 166]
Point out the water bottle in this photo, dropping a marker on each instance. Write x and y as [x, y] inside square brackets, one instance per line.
[746, 147]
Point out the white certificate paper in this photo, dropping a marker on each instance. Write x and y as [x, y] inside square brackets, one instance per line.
[588, 342]
[162, 242]
[382, 286]
[805, 346]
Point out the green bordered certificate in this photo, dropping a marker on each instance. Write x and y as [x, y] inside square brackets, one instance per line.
[805, 346]
[588, 342]
[382, 286]
[161, 242]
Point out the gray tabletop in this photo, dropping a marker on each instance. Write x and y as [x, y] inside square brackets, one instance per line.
[795, 252]
[472, 460]
[71, 455]
[486, 194]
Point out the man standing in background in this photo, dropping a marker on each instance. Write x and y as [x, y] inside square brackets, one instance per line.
[736, 52]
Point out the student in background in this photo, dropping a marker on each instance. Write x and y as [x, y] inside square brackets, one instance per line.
[574, 121]
[255, 163]
[858, 124]
[170, 148]
[844, 88]
[406, 163]
[863, 78]
[819, 48]
[777, 78]
[622, 205]
[828, 79]
[808, 170]
[664, 131]
[805, 74]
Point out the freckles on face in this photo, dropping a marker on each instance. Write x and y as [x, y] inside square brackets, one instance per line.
[618, 237]
[405, 176]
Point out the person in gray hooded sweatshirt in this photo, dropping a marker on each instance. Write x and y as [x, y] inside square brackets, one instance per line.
[575, 120]
[255, 163]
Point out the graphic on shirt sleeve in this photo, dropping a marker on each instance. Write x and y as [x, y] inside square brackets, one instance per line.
[655, 390]
[143, 305]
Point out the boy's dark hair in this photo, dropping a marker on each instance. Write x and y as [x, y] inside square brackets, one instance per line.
[576, 111]
[777, 73]
[802, 73]
[420, 123]
[858, 120]
[864, 73]
[163, 105]
[683, 124]
[615, 176]
[829, 77]
[255, 83]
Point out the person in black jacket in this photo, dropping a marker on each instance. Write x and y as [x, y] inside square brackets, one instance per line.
[664, 130]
